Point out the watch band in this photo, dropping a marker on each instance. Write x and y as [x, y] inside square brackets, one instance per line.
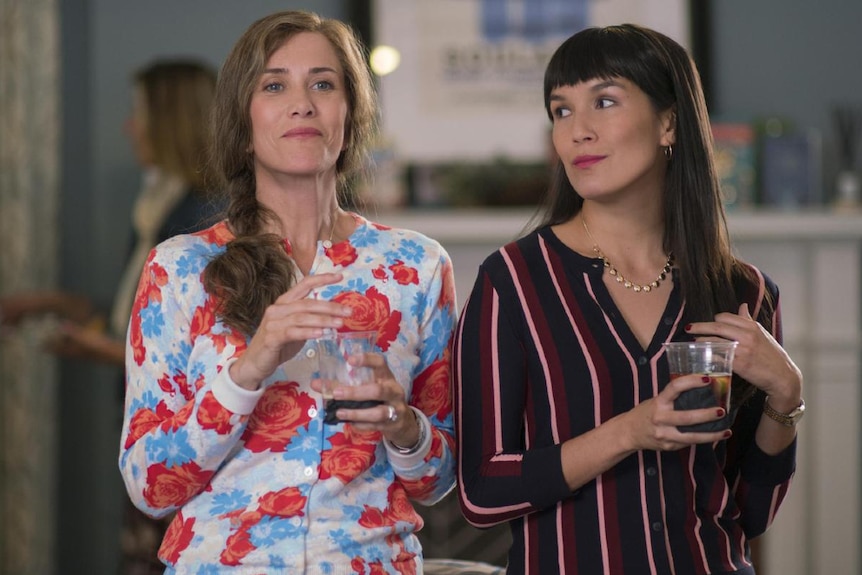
[788, 419]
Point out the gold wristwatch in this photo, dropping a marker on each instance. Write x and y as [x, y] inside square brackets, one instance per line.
[788, 419]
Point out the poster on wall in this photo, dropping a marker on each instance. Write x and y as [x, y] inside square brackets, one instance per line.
[469, 83]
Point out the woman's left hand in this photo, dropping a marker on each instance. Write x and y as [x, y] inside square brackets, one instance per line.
[393, 416]
[759, 359]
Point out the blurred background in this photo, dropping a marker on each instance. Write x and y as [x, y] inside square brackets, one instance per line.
[462, 157]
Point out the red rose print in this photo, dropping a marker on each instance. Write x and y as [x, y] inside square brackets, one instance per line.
[229, 337]
[289, 502]
[431, 393]
[358, 565]
[380, 227]
[173, 487]
[380, 273]
[421, 488]
[219, 234]
[151, 283]
[178, 420]
[177, 538]
[238, 546]
[213, 415]
[136, 339]
[342, 254]
[275, 419]
[203, 319]
[182, 382]
[404, 275]
[400, 508]
[347, 459]
[166, 385]
[372, 517]
[371, 311]
[447, 290]
[141, 423]
[376, 568]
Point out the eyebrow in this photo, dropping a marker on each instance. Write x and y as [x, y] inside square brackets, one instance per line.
[315, 70]
[594, 88]
[606, 84]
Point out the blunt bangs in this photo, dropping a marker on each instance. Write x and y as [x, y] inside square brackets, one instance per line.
[607, 53]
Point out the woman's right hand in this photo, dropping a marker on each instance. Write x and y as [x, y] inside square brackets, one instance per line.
[286, 325]
[654, 423]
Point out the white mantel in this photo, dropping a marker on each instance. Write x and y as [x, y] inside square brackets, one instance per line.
[815, 259]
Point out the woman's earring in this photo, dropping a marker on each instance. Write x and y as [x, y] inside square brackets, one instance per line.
[668, 153]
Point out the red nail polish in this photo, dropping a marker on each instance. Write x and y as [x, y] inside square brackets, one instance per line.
[719, 412]
[687, 327]
[727, 433]
[704, 378]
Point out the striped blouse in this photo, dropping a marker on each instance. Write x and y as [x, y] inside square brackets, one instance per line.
[542, 354]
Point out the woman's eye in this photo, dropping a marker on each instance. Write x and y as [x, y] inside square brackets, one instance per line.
[272, 87]
[604, 103]
[561, 112]
[322, 85]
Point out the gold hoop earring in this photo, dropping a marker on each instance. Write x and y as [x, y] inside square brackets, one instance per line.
[668, 153]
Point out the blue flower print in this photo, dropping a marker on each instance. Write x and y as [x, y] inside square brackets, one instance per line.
[152, 321]
[357, 285]
[227, 502]
[192, 262]
[277, 562]
[177, 361]
[305, 445]
[420, 302]
[207, 570]
[436, 340]
[172, 448]
[147, 401]
[271, 529]
[411, 251]
[365, 236]
[346, 543]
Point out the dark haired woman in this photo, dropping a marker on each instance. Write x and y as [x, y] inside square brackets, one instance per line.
[564, 409]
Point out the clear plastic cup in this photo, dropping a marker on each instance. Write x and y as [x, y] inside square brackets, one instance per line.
[713, 359]
[334, 369]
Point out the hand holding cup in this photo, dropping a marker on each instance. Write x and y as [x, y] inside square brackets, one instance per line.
[712, 359]
[338, 357]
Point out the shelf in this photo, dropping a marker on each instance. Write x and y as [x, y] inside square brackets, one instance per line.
[501, 225]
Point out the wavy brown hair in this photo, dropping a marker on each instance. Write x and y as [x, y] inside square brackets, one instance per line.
[695, 224]
[254, 269]
[177, 98]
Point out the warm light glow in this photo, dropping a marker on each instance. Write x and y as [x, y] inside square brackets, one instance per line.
[384, 60]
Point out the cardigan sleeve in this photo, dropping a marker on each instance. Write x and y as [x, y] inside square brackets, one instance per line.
[499, 477]
[760, 482]
[178, 426]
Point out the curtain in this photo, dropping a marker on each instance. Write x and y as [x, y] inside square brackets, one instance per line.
[29, 196]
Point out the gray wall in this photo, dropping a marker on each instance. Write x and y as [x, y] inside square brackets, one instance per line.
[103, 42]
[788, 58]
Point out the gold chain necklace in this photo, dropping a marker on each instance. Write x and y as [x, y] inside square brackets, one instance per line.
[328, 243]
[620, 278]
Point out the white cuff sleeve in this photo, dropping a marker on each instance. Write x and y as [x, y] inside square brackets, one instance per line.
[235, 398]
[417, 458]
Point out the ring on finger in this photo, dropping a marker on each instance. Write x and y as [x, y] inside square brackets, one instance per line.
[393, 416]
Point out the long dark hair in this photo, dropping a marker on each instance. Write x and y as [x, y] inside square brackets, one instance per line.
[254, 269]
[695, 224]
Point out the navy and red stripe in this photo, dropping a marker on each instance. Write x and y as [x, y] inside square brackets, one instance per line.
[542, 355]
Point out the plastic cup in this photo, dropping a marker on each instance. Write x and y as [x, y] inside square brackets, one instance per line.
[334, 369]
[713, 359]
